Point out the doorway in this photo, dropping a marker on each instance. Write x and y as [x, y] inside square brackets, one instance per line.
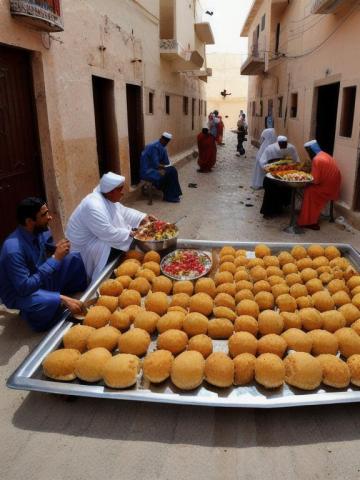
[20, 158]
[107, 144]
[135, 129]
[326, 116]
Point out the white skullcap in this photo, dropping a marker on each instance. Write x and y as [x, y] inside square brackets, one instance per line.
[109, 181]
[282, 138]
[167, 135]
[308, 144]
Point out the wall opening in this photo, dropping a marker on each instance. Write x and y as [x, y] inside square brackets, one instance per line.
[135, 129]
[356, 205]
[347, 111]
[280, 107]
[167, 104]
[326, 115]
[167, 19]
[277, 38]
[150, 109]
[185, 105]
[294, 105]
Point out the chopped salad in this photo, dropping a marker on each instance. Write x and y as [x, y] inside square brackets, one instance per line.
[186, 264]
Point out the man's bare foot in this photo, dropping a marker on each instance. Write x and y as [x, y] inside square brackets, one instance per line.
[74, 305]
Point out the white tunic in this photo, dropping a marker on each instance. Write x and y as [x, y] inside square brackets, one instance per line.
[96, 226]
[273, 152]
[267, 137]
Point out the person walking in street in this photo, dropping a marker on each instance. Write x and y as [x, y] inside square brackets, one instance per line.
[267, 137]
[242, 129]
[207, 151]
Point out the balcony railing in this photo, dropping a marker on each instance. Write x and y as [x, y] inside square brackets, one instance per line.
[41, 14]
[182, 60]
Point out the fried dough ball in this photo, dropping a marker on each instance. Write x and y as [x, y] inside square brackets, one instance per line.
[262, 251]
[173, 340]
[141, 285]
[187, 370]
[255, 262]
[336, 285]
[246, 323]
[132, 311]
[298, 252]
[183, 286]
[241, 275]
[297, 340]
[135, 341]
[315, 251]
[265, 300]
[323, 342]
[308, 274]
[223, 277]
[269, 370]
[349, 341]
[270, 322]
[151, 256]
[157, 302]
[195, 323]
[60, 364]
[356, 300]
[298, 290]
[244, 294]
[121, 370]
[291, 320]
[89, 367]
[146, 273]
[286, 303]
[302, 371]
[97, 317]
[162, 284]
[338, 273]
[304, 263]
[227, 267]
[289, 268]
[105, 337]
[135, 255]
[320, 262]
[351, 313]
[127, 268]
[240, 252]
[242, 285]
[120, 320]
[134, 260]
[258, 273]
[171, 320]
[224, 312]
[244, 368]
[124, 280]
[202, 344]
[229, 288]
[242, 342]
[202, 303]
[293, 278]
[323, 301]
[355, 326]
[157, 366]
[261, 286]
[310, 318]
[180, 300]
[314, 285]
[271, 261]
[325, 277]
[206, 285]
[336, 372]
[111, 288]
[227, 258]
[276, 279]
[76, 337]
[227, 250]
[108, 301]
[279, 289]
[220, 328]
[285, 257]
[241, 261]
[274, 271]
[332, 252]
[332, 320]
[304, 302]
[248, 307]
[176, 308]
[153, 266]
[147, 321]
[219, 370]
[355, 291]
[129, 297]
[224, 300]
[341, 263]
[324, 269]
[353, 363]
[272, 343]
[353, 282]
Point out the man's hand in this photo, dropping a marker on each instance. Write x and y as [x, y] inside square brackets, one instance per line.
[75, 306]
[62, 249]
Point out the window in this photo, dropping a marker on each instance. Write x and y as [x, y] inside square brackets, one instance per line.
[277, 39]
[270, 107]
[167, 104]
[151, 103]
[347, 111]
[261, 108]
[280, 107]
[263, 22]
[253, 108]
[185, 105]
[257, 31]
[294, 105]
[205, 108]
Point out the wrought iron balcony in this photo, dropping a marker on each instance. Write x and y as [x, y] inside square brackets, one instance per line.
[42, 14]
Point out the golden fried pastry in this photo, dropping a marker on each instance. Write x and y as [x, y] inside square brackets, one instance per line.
[76, 337]
[262, 251]
[202, 303]
[308, 274]
[355, 290]
[293, 278]
[310, 318]
[202, 344]
[261, 286]
[320, 262]
[285, 257]
[206, 285]
[121, 370]
[220, 328]
[315, 251]
[180, 300]
[60, 364]
[124, 280]
[336, 285]
[223, 277]
[146, 320]
[254, 262]
[242, 285]
[325, 277]
[314, 285]
[246, 323]
[338, 273]
[303, 263]
[135, 341]
[244, 294]
[274, 271]
[171, 320]
[146, 273]
[323, 342]
[248, 307]
[349, 341]
[224, 312]
[154, 266]
[341, 298]
[336, 372]
[291, 320]
[229, 288]
[297, 340]
[173, 340]
[141, 285]
[272, 343]
[356, 300]
[340, 262]
[332, 252]
[324, 269]
[105, 337]
[135, 255]
[129, 297]
[162, 284]
[242, 342]
[258, 273]
[332, 320]
[244, 368]
[241, 261]
[89, 367]
[298, 290]
[97, 317]
[151, 256]
[289, 268]
[302, 370]
[241, 275]
[265, 300]
[271, 261]
[240, 252]
[227, 258]
[269, 370]
[227, 267]
[353, 363]
[298, 252]
[323, 301]
[286, 303]
[227, 250]
[177, 308]
[224, 300]
[276, 279]
[111, 288]
[270, 322]
[126, 268]
[304, 302]
[135, 260]
[195, 323]
[133, 311]
[279, 289]
[183, 286]
[120, 320]
[157, 366]
[350, 312]
[219, 370]
[353, 282]
[355, 326]
[108, 301]
[187, 370]
[157, 302]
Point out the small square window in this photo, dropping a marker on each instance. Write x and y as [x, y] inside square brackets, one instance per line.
[167, 104]
[185, 105]
[294, 105]
[151, 103]
[347, 111]
[280, 107]
[253, 109]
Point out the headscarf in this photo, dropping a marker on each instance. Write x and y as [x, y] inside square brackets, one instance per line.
[313, 146]
[267, 137]
[109, 181]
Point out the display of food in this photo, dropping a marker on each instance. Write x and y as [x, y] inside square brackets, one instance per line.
[186, 264]
[158, 230]
[293, 176]
[281, 166]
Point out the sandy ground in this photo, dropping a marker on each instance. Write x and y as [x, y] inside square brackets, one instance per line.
[51, 437]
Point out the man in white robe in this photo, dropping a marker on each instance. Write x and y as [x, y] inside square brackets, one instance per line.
[279, 150]
[267, 137]
[100, 222]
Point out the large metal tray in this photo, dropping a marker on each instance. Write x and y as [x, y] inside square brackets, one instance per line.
[29, 375]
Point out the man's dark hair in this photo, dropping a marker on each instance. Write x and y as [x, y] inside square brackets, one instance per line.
[205, 130]
[28, 208]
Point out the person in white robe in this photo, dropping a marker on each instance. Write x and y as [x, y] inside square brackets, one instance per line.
[267, 137]
[101, 223]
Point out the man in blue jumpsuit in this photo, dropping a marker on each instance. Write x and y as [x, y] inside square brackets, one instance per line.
[155, 167]
[35, 275]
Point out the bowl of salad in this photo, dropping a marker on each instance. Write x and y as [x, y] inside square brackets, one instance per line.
[186, 264]
[157, 235]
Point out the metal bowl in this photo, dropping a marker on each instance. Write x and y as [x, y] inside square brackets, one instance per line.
[157, 245]
[284, 183]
